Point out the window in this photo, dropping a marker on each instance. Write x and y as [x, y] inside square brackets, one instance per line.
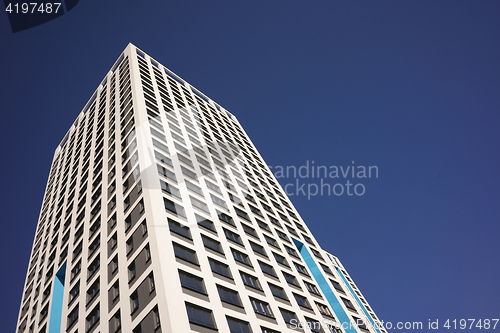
[337, 286]
[323, 309]
[156, 318]
[179, 229]
[93, 291]
[348, 303]
[301, 269]
[312, 288]
[280, 259]
[72, 317]
[225, 218]
[151, 281]
[184, 253]
[290, 279]
[131, 272]
[360, 322]
[267, 269]
[291, 251]
[258, 249]
[263, 225]
[114, 264]
[74, 292]
[199, 204]
[219, 268]
[288, 316]
[261, 307]
[170, 189]
[115, 322]
[250, 281]
[282, 235]
[200, 316]
[130, 245]
[278, 291]
[241, 257]
[192, 282]
[302, 301]
[93, 318]
[271, 241]
[229, 296]
[218, 201]
[212, 186]
[192, 187]
[115, 291]
[94, 267]
[326, 269]
[212, 244]
[205, 223]
[134, 302]
[249, 230]
[232, 236]
[314, 325]
[173, 207]
[237, 326]
[241, 214]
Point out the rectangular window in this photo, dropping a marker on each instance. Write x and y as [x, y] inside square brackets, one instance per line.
[212, 244]
[258, 249]
[179, 229]
[212, 186]
[288, 316]
[241, 257]
[184, 253]
[199, 204]
[219, 268]
[232, 236]
[302, 301]
[72, 317]
[278, 291]
[301, 269]
[134, 302]
[229, 296]
[192, 282]
[291, 252]
[225, 218]
[170, 189]
[312, 288]
[200, 316]
[218, 201]
[237, 326]
[93, 291]
[280, 259]
[314, 325]
[249, 230]
[192, 187]
[336, 285]
[174, 208]
[290, 279]
[93, 318]
[250, 281]
[348, 303]
[323, 309]
[261, 307]
[267, 269]
[205, 223]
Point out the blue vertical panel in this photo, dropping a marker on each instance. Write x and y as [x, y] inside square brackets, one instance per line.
[361, 305]
[57, 301]
[325, 287]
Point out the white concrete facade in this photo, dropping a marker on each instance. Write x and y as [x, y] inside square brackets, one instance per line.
[160, 190]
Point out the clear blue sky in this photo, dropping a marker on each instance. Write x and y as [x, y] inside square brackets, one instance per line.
[412, 87]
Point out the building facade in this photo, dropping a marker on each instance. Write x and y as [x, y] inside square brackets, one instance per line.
[160, 215]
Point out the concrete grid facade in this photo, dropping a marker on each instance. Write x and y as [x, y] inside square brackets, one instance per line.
[161, 216]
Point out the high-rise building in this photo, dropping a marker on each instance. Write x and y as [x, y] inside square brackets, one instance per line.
[160, 215]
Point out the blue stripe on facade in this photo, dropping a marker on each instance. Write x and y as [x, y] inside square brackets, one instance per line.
[57, 301]
[361, 305]
[325, 287]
